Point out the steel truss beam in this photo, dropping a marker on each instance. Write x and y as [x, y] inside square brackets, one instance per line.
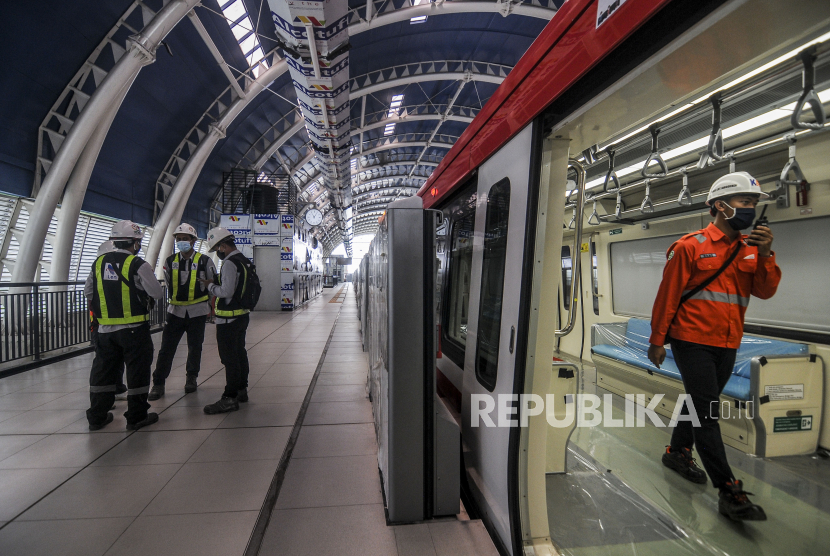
[460, 113]
[75, 96]
[171, 214]
[95, 115]
[383, 13]
[439, 70]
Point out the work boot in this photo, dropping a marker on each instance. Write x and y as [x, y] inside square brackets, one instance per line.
[242, 395]
[149, 420]
[190, 384]
[224, 405]
[683, 462]
[100, 426]
[155, 393]
[734, 503]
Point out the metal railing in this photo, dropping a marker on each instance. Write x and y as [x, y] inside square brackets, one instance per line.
[50, 318]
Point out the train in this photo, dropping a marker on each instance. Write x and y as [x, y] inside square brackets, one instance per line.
[553, 215]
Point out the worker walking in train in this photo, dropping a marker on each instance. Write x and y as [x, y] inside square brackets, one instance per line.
[700, 306]
[231, 319]
[118, 289]
[187, 310]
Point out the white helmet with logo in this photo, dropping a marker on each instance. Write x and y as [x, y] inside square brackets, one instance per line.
[106, 247]
[217, 236]
[735, 183]
[185, 229]
[126, 229]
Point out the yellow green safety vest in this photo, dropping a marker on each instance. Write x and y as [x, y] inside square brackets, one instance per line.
[176, 289]
[117, 299]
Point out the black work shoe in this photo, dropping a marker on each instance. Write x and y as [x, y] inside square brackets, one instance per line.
[224, 405]
[106, 422]
[155, 393]
[149, 420]
[683, 462]
[190, 384]
[242, 395]
[734, 503]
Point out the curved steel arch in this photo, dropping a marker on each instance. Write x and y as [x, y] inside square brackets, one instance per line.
[432, 70]
[387, 13]
[424, 110]
[411, 118]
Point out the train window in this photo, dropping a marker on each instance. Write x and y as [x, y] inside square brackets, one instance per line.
[460, 266]
[594, 277]
[567, 264]
[492, 284]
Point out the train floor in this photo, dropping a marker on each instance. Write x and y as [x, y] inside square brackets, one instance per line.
[293, 472]
[617, 499]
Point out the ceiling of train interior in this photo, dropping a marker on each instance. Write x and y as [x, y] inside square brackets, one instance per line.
[353, 120]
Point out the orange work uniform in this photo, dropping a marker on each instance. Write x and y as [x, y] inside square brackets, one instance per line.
[715, 315]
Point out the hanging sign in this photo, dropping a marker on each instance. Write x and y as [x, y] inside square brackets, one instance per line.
[266, 224]
[287, 225]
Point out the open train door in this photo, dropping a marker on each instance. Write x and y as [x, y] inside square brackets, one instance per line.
[498, 326]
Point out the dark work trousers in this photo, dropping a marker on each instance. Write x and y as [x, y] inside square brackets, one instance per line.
[174, 329]
[132, 347]
[231, 343]
[705, 371]
[120, 387]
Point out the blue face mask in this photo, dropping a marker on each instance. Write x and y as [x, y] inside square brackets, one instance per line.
[183, 246]
[742, 217]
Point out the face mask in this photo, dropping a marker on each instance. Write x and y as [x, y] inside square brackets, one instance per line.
[221, 255]
[183, 246]
[742, 218]
[137, 248]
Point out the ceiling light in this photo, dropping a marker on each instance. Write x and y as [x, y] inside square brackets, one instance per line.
[418, 19]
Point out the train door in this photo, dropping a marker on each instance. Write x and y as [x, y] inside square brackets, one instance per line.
[491, 374]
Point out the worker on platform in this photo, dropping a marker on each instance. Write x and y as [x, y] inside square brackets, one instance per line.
[231, 319]
[704, 324]
[119, 288]
[187, 310]
[120, 387]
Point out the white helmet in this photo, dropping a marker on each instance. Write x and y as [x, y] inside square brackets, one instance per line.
[106, 247]
[216, 236]
[126, 229]
[735, 183]
[186, 229]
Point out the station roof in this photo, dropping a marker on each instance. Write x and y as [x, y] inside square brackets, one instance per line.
[47, 46]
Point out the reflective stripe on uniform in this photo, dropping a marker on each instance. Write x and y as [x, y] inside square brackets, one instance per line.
[191, 292]
[720, 297]
[99, 389]
[138, 391]
[699, 237]
[235, 313]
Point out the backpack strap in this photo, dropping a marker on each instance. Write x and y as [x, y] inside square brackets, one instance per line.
[700, 287]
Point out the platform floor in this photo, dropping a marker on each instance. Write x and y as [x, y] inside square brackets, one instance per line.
[196, 483]
[617, 499]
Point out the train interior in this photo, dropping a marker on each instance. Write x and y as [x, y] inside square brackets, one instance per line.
[650, 145]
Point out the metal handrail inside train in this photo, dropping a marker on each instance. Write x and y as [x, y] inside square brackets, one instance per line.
[576, 272]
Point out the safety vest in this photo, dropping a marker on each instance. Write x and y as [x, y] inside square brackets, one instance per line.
[233, 308]
[185, 294]
[117, 299]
